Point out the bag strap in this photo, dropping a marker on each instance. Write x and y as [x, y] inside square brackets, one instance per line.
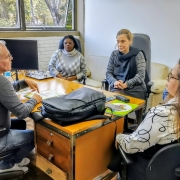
[99, 116]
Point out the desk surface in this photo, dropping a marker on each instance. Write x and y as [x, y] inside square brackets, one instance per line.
[65, 87]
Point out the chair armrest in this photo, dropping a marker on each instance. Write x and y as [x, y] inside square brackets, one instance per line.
[127, 158]
[105, 85]
[2, 128]
[150, 83]
[177, 172]
[104, 81]
[158, 86]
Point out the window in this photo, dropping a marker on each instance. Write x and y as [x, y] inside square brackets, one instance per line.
[37, 14]
[9, 16]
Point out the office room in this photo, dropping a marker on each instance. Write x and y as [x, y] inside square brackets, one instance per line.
[96, 23]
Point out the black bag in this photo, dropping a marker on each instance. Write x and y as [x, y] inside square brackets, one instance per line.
[80, 105]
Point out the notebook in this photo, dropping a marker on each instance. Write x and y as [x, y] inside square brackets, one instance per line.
[119, 108]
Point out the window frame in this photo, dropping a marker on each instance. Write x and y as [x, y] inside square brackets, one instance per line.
[22, 21]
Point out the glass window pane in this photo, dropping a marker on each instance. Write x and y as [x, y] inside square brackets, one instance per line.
[9, 16]
[47, 14]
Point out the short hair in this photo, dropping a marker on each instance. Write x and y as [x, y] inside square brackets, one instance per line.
[2, 44]
[69, 37]
[127, 33]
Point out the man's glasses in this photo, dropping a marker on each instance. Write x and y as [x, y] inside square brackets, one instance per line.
[170, 76]
[9, 56]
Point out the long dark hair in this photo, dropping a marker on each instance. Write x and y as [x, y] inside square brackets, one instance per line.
[69, 37]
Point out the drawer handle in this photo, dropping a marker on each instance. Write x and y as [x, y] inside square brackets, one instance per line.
[50, 157]
[48, 171]
[49, 142]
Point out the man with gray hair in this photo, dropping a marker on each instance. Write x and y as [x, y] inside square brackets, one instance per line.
[21, 140]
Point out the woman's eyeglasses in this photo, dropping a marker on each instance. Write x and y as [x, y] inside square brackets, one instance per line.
[170, 76]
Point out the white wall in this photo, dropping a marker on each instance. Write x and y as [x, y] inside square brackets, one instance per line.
[160, 19]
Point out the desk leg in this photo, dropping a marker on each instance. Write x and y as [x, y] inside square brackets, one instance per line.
[71, 174]
[139, 114]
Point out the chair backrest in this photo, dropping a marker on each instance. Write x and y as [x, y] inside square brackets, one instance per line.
[163, 164]
[77, 41]
[143, 42]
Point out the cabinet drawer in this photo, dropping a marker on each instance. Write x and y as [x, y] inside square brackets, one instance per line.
[50, 169]
[54, 147]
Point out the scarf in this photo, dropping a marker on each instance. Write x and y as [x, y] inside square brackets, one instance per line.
[71, 53]
[127, 64]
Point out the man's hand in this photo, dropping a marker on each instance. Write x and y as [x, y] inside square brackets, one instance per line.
[71, 78]
[33, 85]
[37, 97]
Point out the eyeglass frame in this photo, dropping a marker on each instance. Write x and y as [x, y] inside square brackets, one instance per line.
[9, 56]
[170, 76]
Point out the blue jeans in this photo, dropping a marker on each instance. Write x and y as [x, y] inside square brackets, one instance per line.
[21, 139]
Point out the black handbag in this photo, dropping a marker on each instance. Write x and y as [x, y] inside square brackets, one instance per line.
[80, 105]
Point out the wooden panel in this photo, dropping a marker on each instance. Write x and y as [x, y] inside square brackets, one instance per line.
[94, 150]
[50, 143]
[50, 169]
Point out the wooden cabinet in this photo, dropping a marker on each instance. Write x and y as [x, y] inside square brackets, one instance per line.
[77, 152]
[54, 147]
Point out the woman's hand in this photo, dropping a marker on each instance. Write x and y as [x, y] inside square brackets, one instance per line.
[116, 84]
[60, 76]
[71, 78]
[37, 97]
[116, 145]
[120, 85]
[33, 85]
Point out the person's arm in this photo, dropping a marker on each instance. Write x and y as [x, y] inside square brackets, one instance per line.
[52, 64]
[155, 128]
[141, 68]
[83, 69]
[18, 85]
[11, 101]
[110, 70]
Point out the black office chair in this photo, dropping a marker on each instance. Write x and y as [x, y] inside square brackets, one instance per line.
[12, 174]
[77, 41]
[142, 42]
[164, 165]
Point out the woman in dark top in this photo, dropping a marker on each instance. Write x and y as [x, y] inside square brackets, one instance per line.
[126, 69]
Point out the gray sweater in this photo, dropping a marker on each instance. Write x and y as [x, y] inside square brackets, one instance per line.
[140, 74]
[9, 102]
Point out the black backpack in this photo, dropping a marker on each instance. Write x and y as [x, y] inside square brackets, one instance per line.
[80, 105]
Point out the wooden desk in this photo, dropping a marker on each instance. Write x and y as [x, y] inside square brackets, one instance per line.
[77, 152]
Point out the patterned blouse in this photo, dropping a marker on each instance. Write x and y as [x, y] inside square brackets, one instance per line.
[67, 64]
[158, 127]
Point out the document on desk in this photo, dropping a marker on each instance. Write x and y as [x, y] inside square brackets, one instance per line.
[119, 108]
[44, 94]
